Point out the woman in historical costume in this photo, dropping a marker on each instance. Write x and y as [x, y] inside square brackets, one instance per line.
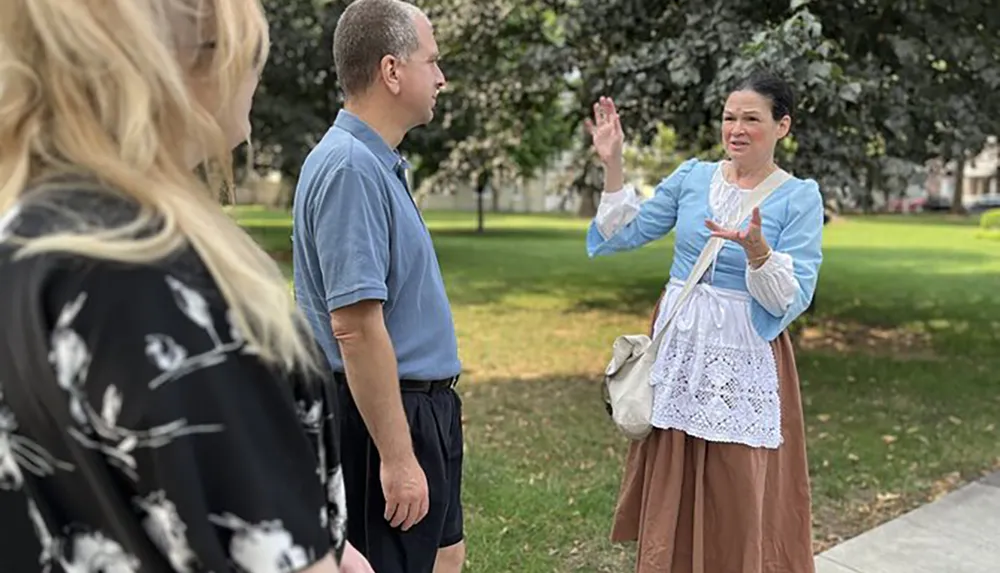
[721, 483]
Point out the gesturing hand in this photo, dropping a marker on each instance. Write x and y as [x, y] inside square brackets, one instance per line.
[751, 239]
[606, 131]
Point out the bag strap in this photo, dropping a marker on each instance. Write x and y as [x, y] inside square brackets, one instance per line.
[757, 196]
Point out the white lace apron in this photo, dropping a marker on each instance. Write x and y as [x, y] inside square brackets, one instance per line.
[714, 377]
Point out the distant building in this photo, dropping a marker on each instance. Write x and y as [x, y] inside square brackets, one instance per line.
[980, 179]
[547, 192]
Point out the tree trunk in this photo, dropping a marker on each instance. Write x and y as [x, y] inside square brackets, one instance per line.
[480, 227]
[871, 180]
[482, 182]
[587, 189]
[957, 204]
[995, 189]
[588, 204]
[583, 183]
[996, 180]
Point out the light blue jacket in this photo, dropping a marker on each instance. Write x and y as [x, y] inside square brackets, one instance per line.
[792, 223]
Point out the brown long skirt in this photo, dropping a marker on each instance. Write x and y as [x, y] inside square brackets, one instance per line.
[707, 507]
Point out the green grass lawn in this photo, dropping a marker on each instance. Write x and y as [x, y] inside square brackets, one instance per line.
[899, 367]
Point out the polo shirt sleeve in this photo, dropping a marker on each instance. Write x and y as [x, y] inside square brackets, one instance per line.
[351, 228]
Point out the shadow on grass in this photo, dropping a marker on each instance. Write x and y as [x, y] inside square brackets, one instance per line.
[513, 233]
[923, 219]
[892, 285]
[273, 238]
[924, 261]
[574, 292]
[872, 285]
[638, 297]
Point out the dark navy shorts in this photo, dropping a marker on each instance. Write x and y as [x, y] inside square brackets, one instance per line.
[435, 418]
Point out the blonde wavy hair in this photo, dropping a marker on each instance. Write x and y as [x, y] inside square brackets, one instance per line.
[109, 88]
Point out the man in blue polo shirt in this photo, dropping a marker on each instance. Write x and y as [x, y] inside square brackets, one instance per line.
[367, 278]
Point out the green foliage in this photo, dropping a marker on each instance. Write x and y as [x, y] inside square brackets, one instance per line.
[880, 84]
[990, 220]
[499, 118]
[989, 224]
[863, 71]
[655, 161]
[298, 95]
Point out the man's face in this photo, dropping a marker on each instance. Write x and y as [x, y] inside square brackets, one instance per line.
[420, 78]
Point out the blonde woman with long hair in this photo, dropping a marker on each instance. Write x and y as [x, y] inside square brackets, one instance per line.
[162, 407]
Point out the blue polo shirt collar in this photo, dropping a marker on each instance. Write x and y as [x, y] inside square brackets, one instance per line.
[373, 141]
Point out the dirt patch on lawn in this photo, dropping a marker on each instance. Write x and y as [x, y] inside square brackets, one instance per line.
[281, 255]
[905, 342]
[834, 523]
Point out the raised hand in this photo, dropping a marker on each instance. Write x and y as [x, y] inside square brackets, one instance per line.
[751, 239]
[606, 132]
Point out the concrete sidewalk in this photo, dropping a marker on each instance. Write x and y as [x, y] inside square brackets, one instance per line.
[959, 533]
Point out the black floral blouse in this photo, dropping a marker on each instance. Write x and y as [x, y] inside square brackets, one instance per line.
[138, 430]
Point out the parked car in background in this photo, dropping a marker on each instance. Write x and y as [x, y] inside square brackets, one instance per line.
[985, 203]
[906, 204]
[937, 203]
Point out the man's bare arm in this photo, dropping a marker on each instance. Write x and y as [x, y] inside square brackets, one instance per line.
[370, 364]
[373, 378]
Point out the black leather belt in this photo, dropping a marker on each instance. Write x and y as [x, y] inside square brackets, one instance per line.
[414, 385]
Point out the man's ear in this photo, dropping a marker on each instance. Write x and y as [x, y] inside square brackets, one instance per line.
[389, 73]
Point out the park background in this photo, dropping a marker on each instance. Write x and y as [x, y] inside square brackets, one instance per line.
[897, 118]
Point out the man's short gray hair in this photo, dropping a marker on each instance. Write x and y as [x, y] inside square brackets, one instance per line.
[367, 31]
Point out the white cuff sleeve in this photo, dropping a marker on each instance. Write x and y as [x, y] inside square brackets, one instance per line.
[773, 285]
[617, 209]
